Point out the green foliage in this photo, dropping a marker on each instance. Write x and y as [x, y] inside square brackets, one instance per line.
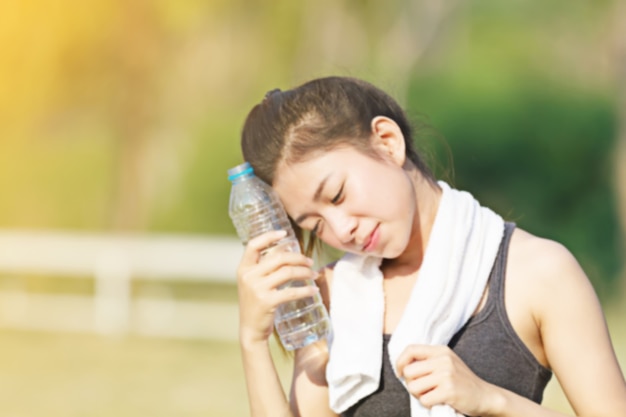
[201, 205]
[90, 98]
[537, 152]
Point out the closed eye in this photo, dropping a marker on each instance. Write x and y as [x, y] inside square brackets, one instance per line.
[338, 196]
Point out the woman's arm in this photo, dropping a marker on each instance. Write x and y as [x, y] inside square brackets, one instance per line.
[258, 282]
[574, 339]
[309, 390]
[265, 392]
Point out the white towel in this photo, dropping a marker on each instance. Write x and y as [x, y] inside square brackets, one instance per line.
[459, 255]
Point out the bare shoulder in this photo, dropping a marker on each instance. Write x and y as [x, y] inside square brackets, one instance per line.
[545, 271]
[544, 282]
[543, 259]
[541, 252]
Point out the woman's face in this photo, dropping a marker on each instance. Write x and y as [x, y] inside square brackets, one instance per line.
[352, 201]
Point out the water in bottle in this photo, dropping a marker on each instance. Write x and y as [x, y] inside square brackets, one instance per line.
[255, 209]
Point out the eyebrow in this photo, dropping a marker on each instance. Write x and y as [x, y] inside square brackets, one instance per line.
[316, 197]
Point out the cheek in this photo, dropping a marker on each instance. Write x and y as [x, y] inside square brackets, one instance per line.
[400, 210]
[392, 200]
[328, 237]
[405, 207]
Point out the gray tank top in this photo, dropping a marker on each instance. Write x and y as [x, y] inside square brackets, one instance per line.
[487, 344]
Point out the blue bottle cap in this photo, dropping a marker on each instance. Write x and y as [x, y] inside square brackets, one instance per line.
[240, 170]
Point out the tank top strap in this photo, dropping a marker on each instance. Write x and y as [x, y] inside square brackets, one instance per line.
[496, 279]
[495, 285]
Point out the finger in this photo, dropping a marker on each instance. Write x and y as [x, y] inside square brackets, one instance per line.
[270, 273]
[293, 293]
[410, 354]
[417, 369]
[414, 353]
[432, 398]
[269, 276]
[297, 275]
[280, 259]
[254, 247]
[421, 387]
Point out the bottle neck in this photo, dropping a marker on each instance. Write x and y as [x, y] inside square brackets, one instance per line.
[240, 171]
[241, 178]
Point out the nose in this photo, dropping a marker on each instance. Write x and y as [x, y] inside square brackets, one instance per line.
[343, 226]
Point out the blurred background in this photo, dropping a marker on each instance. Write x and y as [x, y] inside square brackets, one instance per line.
[119, 119]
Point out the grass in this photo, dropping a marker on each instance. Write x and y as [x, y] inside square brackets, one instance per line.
[79, 375]
[70, 375]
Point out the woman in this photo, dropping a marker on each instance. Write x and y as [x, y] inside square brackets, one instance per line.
[339, 152]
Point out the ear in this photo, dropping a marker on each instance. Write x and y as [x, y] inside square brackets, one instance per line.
[388, 140]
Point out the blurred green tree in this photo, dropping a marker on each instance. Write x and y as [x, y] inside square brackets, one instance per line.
[539, 154]
[126, 115]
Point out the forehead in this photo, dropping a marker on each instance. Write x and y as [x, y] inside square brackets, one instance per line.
[298, 181]
[302, 177]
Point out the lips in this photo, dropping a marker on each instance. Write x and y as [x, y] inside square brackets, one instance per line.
[372, 240]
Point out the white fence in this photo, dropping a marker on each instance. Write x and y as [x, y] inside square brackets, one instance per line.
[113, 261]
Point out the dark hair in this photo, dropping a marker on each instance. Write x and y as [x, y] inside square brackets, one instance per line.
[320, 115]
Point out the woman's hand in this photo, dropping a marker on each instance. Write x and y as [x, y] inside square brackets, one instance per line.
[258, 282]
[435, 375]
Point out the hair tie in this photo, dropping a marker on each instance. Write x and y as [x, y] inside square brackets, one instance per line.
[270, 93]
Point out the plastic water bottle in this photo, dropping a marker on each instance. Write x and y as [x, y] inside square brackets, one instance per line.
[255, 209]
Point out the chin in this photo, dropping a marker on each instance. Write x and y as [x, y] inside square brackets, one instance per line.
[394, 251]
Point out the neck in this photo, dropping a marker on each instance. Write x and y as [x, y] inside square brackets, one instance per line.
[427, 194]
